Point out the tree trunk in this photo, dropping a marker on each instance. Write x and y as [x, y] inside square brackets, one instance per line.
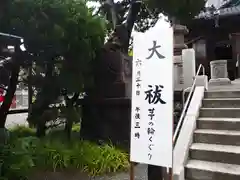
[45, 97]
[68, 128]
[30, 90]
[9, 95]
[41, 128]
[131, 18]
[70, 105]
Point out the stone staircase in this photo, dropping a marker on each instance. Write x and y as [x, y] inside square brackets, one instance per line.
[215, 151]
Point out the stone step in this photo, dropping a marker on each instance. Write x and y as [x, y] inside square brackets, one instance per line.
[219, 123]
[222, 94]
[221, 102]
[220, 112]
[211, 136]
[215, 153]
[205, 170]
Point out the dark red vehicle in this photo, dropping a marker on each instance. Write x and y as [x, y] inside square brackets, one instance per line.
[13, 105]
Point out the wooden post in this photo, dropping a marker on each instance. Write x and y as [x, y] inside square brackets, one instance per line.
[167, 173]
[170, 174]
[132, 171]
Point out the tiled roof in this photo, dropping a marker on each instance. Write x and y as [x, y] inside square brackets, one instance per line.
[220, 12]
[225, 10]
[230, 3]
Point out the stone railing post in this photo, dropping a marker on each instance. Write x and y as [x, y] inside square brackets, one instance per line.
[189, 67]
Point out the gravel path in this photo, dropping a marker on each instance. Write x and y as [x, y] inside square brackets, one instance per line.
[140, 174]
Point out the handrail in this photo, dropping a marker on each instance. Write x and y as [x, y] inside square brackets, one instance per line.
[180, 122]
[185, 90]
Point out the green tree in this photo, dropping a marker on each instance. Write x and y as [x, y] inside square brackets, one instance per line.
[11, 59]
[145, 13]
[62, 37]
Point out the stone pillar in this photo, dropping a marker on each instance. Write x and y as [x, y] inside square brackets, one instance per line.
[178, 79]
[219, 73]
[235, 39]
[106, 111]
[179, 32]
[189, 66]
[210, 47]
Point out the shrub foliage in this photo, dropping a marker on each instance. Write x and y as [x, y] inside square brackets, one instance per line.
[27, 154]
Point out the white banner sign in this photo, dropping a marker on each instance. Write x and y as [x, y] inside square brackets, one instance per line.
[152, 96]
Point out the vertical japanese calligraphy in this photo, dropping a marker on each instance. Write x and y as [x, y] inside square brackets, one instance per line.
[138, 91]
[152, 97]
[154, 50]
[138, 76]
[137, 122]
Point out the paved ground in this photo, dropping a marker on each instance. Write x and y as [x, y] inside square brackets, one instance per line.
[140, 174]
[235, 85]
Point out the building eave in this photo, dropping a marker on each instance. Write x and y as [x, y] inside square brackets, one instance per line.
[231, 11]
